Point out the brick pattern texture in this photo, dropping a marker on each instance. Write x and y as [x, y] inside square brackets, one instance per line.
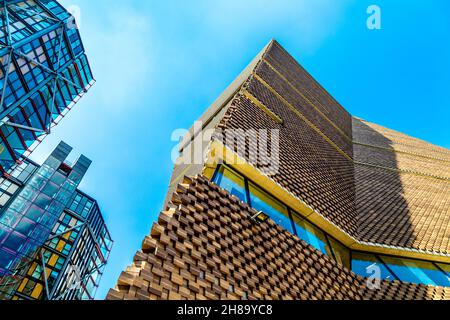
[378, 185]
[206, 247]
[391, 189]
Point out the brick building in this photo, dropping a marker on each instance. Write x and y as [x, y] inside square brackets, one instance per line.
[349, 209]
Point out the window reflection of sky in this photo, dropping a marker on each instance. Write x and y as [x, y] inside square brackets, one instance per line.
[362, 264]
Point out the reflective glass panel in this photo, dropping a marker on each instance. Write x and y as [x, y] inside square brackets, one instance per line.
[232, 182]
[311, 235]
[417, 271]
[341, 253]
[278, 212]
[445, 267]
[365, 264]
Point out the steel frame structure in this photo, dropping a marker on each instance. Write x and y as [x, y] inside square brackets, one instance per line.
[11, 49]
[51, 294]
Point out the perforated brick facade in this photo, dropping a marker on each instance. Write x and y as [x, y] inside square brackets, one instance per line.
[208, 248]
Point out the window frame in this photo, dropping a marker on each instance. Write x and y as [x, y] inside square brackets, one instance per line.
[379, 257]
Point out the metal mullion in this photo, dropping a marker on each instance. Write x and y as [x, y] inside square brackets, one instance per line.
[56, 78]
[5, 83]
[47, 68]
[44, 49]
[440, 269]
[33, 104]
[69, 45]
[69, 259]
[291, 217]
[69, 81]
[34, 13]
[329, 244]
[27, 96]
[44, 99]
[37, 63]
[9, 37]
[53, 93]
[61, 37]
[8, 146]
[20, 74]
[80, 78]
[61, 93]
[387, 267]
[247, 191]
[48, 11]
[22, 20]
[22, 110]
[35, 36]
[19, 134]
[71, 76]
[47, 291]
[3, 17]
[83, 69]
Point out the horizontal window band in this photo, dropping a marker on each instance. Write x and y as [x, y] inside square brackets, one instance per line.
[219, 154]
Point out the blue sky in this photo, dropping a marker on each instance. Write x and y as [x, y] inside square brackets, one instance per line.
[159, 65]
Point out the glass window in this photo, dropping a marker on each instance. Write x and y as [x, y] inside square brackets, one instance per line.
[25, 227]
[341, 253]
[416, 271]
[43, 201]
[15, 241]
[58, 178]
[261, 201]
[232, 182]
[311, 235]
[50, 189]
[5, 259]
[35, 213]
[4, 198]
[362, 265]
[10, 218]
[37, 292]
[445, 267]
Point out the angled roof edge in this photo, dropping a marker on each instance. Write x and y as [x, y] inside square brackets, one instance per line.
[220, 153]
[223, 100]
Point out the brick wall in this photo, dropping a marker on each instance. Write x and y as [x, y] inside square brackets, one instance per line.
[206, 247]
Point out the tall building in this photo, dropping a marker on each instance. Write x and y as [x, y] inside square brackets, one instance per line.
[43, 73]
[54, 243]
[291, 197]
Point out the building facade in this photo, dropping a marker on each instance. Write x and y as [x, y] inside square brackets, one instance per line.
[294, 198]
[54, 243]
[43, 73]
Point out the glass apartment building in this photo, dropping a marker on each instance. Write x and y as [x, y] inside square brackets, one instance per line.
[43, 73]
[54, 243]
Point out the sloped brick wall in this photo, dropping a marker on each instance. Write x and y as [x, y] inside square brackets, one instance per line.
[206, 247]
